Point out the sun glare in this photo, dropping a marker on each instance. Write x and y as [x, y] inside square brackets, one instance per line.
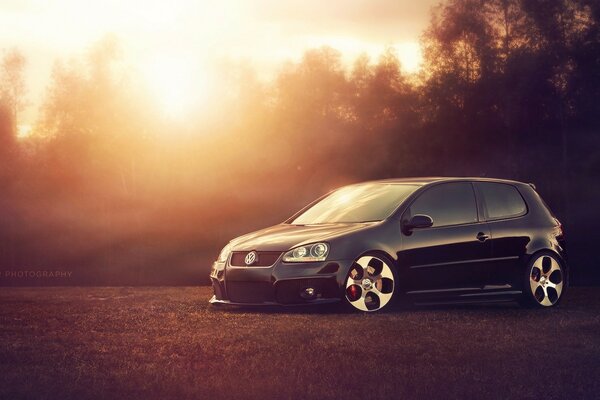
[410, 56]
[179, 86]
[24, 130]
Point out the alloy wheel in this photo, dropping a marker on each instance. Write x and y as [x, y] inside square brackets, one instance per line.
[546, 280]
[370, 284]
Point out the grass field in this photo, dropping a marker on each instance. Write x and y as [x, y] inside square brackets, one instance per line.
[158, 343]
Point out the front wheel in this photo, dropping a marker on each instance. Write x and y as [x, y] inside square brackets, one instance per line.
[370, 284]
[545, 281]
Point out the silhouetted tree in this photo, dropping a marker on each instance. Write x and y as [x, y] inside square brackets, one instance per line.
[12, 101]
[12, 91]
[12, 83]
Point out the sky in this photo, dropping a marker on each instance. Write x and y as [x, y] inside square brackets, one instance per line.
[168, 41]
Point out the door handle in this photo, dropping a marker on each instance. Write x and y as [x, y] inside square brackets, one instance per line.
[482, 237]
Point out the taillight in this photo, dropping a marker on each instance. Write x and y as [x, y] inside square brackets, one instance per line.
[559, 232]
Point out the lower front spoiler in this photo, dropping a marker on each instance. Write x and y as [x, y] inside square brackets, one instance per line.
[216, 301]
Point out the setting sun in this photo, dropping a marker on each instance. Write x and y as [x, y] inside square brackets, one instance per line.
[410, 56]
[176, 46]
[178, 87]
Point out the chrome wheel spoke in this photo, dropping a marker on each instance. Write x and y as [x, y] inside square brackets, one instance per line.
[364, 263]
[558, 287]
[386, 273]
[546, 300]
[383, 297]
[553, 267]
[361, 302]
[351, 282]
[541, 262]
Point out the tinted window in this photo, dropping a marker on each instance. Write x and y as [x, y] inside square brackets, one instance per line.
[501, 200]
[357, 203]
[447, 204]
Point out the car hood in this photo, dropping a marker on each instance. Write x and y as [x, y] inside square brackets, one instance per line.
[285, 236]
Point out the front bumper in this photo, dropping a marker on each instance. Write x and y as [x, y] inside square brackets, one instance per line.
[280, 284]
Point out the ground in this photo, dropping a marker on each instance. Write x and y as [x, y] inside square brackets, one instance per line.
[158, 343]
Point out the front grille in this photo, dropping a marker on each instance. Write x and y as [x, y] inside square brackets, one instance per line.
[264, 259]
[249, 292]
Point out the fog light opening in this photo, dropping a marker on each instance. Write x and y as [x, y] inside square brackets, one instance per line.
[308, 293]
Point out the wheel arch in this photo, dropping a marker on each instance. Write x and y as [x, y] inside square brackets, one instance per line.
[394, 263]
[545, 243]
[530, 255]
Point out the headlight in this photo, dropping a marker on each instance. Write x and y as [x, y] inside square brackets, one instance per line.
[224, 255]
[308, 253]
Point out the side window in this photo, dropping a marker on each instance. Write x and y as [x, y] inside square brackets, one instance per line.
[447, 204]
[501, 200]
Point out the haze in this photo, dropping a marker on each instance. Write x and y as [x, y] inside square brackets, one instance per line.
[177, 45]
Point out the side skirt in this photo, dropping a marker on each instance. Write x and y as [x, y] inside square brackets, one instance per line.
[490, 294]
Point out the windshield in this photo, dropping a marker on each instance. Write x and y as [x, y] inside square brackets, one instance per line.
[357, 203]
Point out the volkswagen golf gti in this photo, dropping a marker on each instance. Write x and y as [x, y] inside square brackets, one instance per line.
[427, 240]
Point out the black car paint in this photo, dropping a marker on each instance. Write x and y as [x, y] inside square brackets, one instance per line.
[479, 261]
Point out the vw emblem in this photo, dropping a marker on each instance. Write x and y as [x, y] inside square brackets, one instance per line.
[251, 258]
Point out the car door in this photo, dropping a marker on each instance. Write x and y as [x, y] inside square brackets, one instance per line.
[454, 253]
[504, 209]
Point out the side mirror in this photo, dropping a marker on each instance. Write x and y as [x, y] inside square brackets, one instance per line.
[418, 221]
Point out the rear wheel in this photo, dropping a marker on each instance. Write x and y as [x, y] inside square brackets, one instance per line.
[545, 281]
[370, 284]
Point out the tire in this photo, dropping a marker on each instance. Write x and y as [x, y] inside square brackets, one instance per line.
[371, 284]
[544, 282]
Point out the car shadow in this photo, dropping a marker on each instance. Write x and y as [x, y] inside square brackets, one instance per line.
[341, 309]
[334, 308]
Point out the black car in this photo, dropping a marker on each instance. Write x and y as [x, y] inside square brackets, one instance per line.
[433, 240]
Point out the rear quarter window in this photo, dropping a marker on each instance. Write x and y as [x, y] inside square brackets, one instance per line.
[501, 200]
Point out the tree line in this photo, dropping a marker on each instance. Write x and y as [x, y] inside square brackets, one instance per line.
[109, 189]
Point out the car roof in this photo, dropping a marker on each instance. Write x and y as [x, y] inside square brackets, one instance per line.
[432, 179]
